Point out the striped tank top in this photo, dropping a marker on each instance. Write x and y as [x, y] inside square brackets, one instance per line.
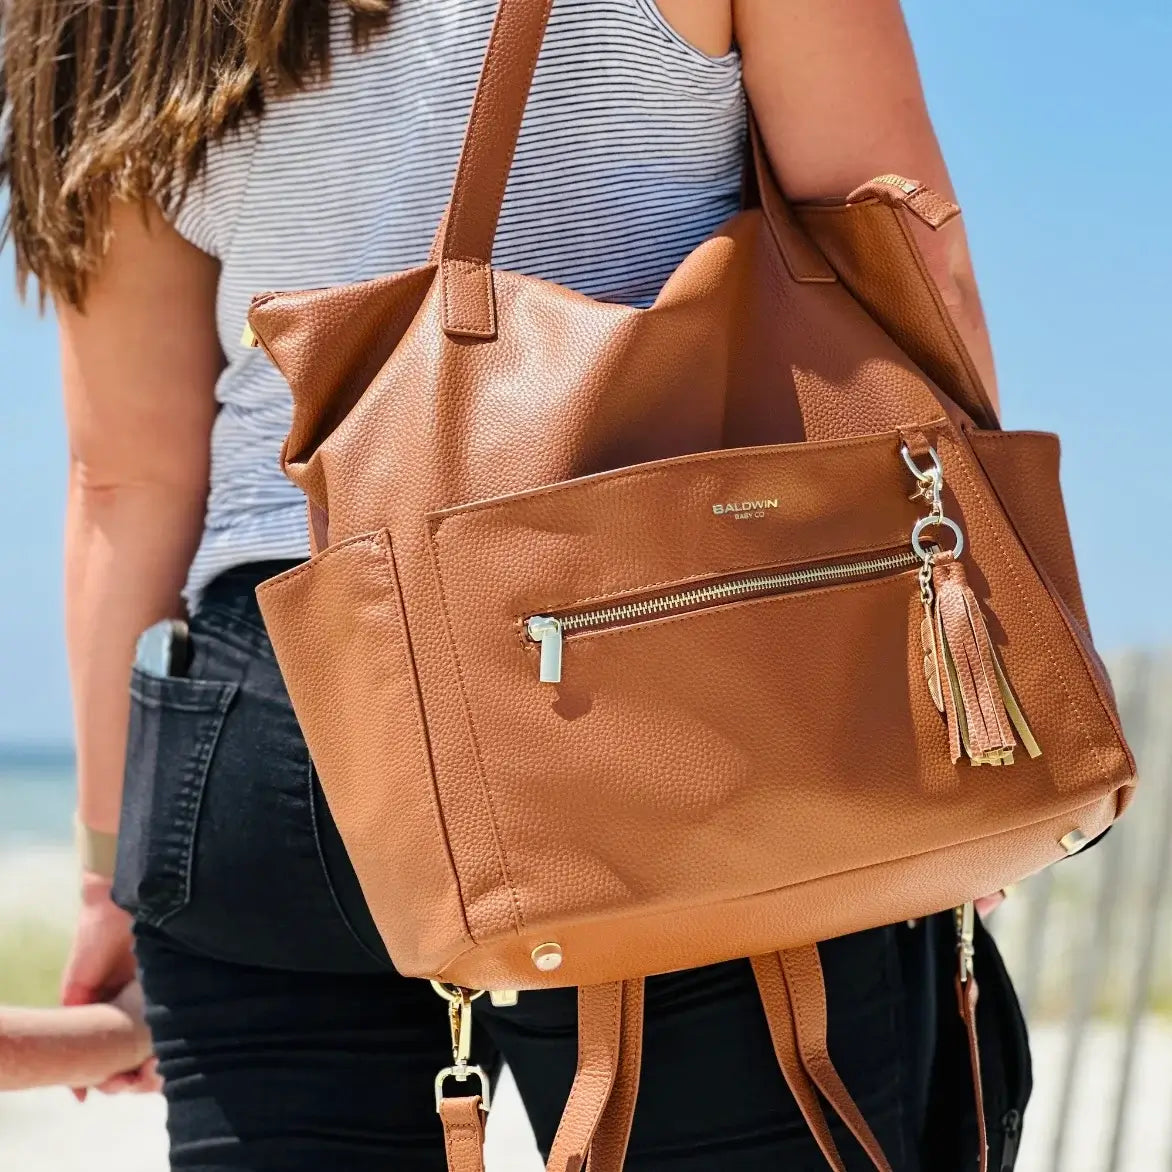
[629, 156]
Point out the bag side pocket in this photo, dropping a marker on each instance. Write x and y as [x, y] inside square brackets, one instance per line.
[339, 630]
[174, 726]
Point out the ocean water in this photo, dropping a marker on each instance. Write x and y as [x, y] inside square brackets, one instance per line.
[36, 802]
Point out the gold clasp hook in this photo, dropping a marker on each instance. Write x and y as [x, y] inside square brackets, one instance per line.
[460, 1022]
[966, 928]
[930, 482]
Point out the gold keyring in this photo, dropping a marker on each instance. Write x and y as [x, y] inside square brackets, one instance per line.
[456, 994]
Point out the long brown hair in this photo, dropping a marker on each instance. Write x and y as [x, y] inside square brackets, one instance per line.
[118, 99]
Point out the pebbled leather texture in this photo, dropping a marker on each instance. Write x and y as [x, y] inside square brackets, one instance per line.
[463, 1123]
[869, 243]
[633, 813]
[735, 779]
[739, 778]
[1023, 469]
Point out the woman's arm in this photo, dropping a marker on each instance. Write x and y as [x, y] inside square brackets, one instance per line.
[837, 94]
[139, 366]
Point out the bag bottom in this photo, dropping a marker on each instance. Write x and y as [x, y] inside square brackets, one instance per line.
[615, 949]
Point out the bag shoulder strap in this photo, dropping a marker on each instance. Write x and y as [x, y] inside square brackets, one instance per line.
[465, 237]
[870, 242]
[468, 231]
[596, 1123]
[793, 993]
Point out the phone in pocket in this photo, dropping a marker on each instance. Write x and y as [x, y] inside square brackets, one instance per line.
[164, 649]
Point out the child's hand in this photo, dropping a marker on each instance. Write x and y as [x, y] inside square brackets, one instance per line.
[143, 1079]
[101, 960]
[81, 1046]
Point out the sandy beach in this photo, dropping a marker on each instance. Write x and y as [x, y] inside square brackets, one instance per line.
[47, 1131]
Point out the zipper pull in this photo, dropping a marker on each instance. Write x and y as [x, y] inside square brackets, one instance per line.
[547, 631]
[1011, 1127]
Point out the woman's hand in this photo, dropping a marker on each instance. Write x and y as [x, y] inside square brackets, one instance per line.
[101, 968]
[989, 903]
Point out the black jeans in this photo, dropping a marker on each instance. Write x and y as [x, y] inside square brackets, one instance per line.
[288, 1042]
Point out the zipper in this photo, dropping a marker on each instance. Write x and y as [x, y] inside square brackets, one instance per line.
[549, 631]
[1011, 1128]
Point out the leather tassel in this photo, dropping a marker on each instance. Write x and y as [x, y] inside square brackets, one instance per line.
[980, 708]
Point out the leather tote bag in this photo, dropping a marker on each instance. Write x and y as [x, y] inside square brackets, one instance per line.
[641, 639]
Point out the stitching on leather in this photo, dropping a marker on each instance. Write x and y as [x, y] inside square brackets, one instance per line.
[790, 596]
[484, 327]
[707, 459]
[1079, 626]
[982, 435]
[457, 1132]
[288, 576]
[589, 1075]
[482, 773]
[502, 180]
[960, 352]
[1023, 594]
[375, 540]
[421, 727]
[479, 102]
[1072, 813]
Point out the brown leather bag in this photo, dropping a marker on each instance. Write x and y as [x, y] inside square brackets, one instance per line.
[617, 653]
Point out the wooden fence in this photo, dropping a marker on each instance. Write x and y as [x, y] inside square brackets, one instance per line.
[1090, 945]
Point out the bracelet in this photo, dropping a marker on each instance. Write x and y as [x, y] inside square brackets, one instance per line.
[96, 849]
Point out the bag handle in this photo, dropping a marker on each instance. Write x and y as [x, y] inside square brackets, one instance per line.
[466, 234]
[468, 231]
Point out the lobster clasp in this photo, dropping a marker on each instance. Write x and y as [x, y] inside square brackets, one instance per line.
[460, 1021]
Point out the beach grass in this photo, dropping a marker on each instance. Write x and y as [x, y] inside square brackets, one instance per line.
[32, 954]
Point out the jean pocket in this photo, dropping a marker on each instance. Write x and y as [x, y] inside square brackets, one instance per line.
[174, 725]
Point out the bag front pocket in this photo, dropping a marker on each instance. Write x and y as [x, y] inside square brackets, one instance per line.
[704, 679]
[174, 725]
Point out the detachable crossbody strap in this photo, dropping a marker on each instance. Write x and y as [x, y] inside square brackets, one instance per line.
[463, 1122]
[596, 1125]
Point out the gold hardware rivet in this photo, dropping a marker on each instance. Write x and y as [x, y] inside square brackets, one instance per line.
[547, 957]
[1073, 842]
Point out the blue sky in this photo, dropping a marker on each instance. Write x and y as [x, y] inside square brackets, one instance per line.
[1056, 119]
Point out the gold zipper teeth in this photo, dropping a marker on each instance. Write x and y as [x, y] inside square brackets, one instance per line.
[720, 591]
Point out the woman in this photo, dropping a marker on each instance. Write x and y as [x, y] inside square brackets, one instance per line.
[168, 159]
